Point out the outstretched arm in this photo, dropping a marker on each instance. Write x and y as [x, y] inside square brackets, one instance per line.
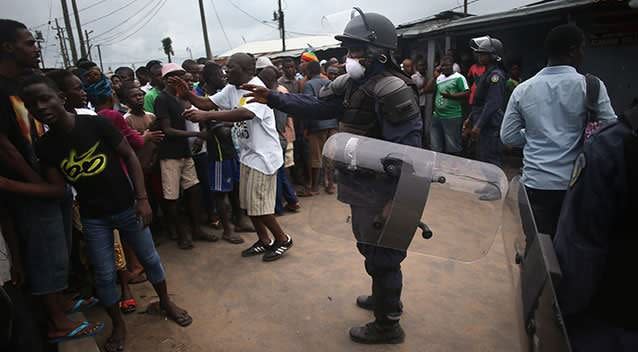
[181, 87]
[301, 105]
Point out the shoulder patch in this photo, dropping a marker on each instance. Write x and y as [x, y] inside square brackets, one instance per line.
[495, 78]
[579, 166]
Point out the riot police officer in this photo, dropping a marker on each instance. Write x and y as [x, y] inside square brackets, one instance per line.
[596, 241]
[489, 102]
[377, 100]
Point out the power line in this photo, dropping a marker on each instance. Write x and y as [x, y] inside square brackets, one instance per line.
[59, 18]
[142, 26]
[265, 23]
[221, 25]
[110, 13]
[120, 24]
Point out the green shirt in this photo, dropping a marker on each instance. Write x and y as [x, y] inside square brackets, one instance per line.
[445, 108]
[149, 100]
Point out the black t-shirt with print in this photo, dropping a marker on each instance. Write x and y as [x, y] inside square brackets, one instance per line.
[88, 159]
[169, 107]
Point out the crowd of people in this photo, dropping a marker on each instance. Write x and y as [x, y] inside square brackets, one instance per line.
[115, 160]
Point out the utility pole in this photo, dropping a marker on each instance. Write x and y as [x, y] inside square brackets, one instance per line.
[465, 7]
[69, 30]
[88, 45]
[78, 26]
[279, 16]
[38, 40]
[65, 57]
[99, 54]
[209, 54]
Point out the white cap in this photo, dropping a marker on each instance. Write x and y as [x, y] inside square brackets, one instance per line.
[263, 62]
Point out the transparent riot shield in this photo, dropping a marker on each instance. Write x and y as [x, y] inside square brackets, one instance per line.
[535, 274]
[396, 196]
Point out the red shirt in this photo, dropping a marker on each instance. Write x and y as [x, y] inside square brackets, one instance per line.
[473, 74]
[133, 137]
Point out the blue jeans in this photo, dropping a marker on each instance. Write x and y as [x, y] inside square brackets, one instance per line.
[99, 238]
[446, 135]
[285, 191]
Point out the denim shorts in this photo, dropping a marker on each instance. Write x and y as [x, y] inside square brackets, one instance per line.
[44, 227]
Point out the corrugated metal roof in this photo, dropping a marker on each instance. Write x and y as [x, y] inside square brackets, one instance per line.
[433, 26]
[295, 46]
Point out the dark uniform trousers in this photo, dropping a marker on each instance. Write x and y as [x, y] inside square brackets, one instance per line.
[490, 146]
[382, 264]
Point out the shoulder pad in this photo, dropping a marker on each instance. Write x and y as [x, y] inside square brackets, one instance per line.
[388, 85]
[336, 87]
[397, 101]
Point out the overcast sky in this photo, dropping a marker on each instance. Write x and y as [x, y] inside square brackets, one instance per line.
[146, 22]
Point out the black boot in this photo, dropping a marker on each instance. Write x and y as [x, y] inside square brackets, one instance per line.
[374, 333]
[367, 302]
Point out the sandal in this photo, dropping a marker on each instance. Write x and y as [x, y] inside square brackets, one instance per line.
[232, 238]
[85, 329]
[80, 304]
[128, 306]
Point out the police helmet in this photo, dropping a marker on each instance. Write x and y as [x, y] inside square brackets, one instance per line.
[370, 29]
[487, 45]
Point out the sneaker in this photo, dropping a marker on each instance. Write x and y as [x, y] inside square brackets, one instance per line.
[256, 249]
[277, 250]
[374, 333]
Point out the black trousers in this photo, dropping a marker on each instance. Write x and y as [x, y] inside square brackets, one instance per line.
[382, 264]
[546, 206]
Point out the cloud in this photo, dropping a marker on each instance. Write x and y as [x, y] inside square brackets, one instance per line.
[241, 20]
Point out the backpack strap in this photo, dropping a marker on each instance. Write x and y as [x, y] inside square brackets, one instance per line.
[592, 92]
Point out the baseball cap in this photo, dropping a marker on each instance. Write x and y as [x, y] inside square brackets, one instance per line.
[171, 67]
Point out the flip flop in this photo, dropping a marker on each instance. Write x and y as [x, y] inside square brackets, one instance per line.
[181, 320]
[82, 303]
[128, 306]
[85, 329]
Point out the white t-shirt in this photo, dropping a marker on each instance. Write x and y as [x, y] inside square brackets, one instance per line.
[194, 127]
[258, 140]
[419, 81]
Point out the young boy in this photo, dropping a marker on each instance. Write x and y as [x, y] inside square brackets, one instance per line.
[84, 150]
[260, 152]
[176, 162]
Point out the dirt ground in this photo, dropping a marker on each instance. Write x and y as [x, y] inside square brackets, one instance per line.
[306, 300]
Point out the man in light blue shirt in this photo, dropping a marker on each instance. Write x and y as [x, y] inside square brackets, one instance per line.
[546, 114]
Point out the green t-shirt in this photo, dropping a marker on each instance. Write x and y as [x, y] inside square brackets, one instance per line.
[149, 100]
[445, 108]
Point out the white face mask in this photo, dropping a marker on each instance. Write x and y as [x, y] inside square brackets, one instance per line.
[355, 69]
